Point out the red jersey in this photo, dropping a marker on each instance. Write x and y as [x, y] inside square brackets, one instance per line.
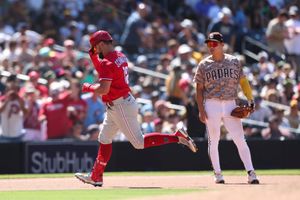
[80, 107]
[58, 125]
[114, 68]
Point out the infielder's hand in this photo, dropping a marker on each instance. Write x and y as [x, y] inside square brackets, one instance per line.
[252, 106]
[203, 116]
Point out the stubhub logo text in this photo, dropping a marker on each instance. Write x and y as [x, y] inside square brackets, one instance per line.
[42, 162]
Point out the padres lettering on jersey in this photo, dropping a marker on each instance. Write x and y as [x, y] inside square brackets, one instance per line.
[220, 79]
[217, 74]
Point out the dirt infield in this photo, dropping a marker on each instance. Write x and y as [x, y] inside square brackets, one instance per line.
[271, 187]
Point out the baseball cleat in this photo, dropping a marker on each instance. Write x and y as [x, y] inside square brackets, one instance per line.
[252, 178]
[186, 140]
[219, 179]
[87, 179]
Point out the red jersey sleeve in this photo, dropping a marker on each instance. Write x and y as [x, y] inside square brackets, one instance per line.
[105, 70]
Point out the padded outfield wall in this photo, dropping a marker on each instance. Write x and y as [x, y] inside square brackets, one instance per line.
[72, 156]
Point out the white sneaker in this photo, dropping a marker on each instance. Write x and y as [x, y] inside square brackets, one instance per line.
[252, 178]
[219, 179]
[87, 179]
[186, 140]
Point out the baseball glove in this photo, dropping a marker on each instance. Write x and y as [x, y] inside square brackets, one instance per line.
[242, 111]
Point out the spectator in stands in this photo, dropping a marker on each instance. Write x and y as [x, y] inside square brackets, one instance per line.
[164, 64]
[285, 71]
[85, 40]
[173, 46]
[261, 113]
[25, 54]
[274, 131]
[133, 34]
[12, 111]
[24, 31]
[148, 124]
[293, 116]
[110, 21]
[10, 54]
[150, 44]
[95, 110]
[280, 114]
[150, 106]
[273, 96]
[68, 56]
[226, 27]
[194, 126]
[92, 132]
[33, 81]
[158, 125]
[277, 32]
[293, 42]
[184, 57]
[77, 107]
[188, 34]
[34, 131]
[287, 91]
[265, 67]
[54, 112]
[162, 109]
[173, 92]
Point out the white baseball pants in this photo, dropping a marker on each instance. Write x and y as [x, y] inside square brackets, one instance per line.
[218, 110]
[122, 116]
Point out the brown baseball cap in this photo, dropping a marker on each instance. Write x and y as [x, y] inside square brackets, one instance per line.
[214, 36]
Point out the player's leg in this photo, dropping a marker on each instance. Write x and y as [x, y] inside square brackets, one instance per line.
[126, 117]
[235, 129]
[107, 133]
[214, 113]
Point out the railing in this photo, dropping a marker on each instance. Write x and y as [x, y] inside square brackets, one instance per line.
[246, 51]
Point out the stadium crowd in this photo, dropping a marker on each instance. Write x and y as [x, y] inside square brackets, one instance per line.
[166, 37]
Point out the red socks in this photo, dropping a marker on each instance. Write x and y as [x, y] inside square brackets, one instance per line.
[157, 139]
[105, 150]
[103, 157]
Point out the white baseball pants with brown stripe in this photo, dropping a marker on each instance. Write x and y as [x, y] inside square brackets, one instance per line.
[218, 110]
[122, 116]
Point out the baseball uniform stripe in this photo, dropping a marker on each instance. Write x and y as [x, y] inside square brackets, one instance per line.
[127, 124]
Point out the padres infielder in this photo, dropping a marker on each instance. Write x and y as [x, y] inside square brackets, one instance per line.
[122, 109]
[217, 79]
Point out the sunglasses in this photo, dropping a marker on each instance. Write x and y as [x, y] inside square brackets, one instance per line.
[212, 44]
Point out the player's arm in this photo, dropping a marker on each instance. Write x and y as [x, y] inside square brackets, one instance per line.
[95, 58]
[246, 88]
[200, 96]
[200, 102]
[101, 88]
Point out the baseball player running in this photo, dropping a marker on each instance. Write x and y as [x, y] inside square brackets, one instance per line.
[122, 109]
[217, 79]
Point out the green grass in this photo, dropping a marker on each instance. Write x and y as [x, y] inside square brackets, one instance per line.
[107, 194]
[169, 173]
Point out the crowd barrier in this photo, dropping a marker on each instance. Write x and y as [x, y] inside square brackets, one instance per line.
[62, 156]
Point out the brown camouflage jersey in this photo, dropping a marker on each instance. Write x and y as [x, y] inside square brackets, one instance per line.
[220, 79]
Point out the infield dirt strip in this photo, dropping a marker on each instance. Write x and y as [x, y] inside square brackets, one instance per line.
[271, 187]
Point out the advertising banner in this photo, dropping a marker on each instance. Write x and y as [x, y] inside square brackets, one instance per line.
[53, 157]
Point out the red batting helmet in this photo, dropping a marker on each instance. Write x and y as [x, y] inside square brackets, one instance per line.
[100, 36]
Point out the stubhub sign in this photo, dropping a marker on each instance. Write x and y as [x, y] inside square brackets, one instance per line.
[56, 158]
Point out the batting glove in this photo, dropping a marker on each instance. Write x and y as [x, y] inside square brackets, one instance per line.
[86, 87]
